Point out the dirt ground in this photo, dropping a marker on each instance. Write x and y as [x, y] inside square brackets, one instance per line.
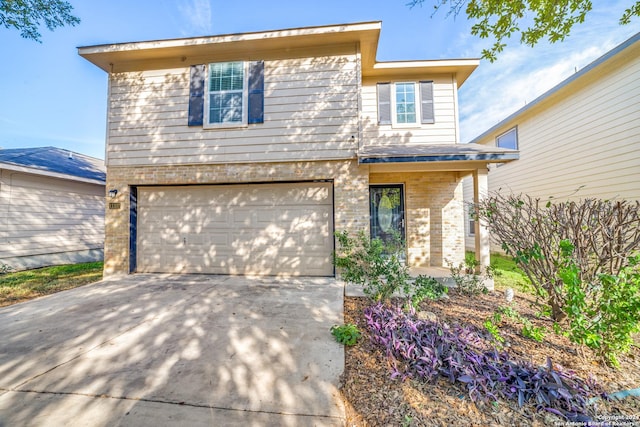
[374, 399]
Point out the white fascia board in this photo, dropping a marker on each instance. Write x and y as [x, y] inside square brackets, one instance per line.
[36, 171]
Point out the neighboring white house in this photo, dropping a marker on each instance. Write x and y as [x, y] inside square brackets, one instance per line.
[52, 204]
[581, 139]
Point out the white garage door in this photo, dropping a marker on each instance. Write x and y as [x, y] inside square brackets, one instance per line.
[262, 229]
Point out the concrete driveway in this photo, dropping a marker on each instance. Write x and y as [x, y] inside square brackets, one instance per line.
[155, 350]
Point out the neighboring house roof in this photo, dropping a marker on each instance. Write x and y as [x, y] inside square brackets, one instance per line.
[54, 162]
[174, 53]
[435, 153]
[557, 90]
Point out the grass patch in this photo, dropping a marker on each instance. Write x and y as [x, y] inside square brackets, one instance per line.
[28, 284]
[507, 274]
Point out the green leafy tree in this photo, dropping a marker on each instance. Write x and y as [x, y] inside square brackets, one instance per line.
[533, 20]
[27, 16]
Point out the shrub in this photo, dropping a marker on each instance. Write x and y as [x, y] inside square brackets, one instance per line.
[467, 278]
[347, 334]
[424, 287]
[373, 264]
[604, 314]
[426, 350]
[380, 269]
[604, 234]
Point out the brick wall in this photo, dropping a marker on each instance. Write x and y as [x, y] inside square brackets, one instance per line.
[351, 193]
[433, 214]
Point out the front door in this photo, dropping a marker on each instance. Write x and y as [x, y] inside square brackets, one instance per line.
[387, 212]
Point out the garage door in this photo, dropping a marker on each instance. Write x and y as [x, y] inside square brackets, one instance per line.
[261, 229]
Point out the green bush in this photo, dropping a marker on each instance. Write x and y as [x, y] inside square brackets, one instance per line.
[467, 278]
[347, 334]
[603, 314]
[424, 287]
[604, 234]
[380, 269]
[373, 264]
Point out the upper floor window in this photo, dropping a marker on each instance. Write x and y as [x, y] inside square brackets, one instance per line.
[226, 101]
[405, 103]
[509, 139]
[405, 111]
[226, 94]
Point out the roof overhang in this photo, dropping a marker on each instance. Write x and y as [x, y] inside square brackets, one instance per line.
[162, 53]
[174, 53]
[48, 173]
[461, 68]
[436, 153]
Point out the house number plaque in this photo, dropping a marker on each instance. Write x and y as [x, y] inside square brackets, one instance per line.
[114, 205]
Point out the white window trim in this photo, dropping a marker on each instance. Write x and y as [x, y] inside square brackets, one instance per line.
[417, 102]
[245, 100]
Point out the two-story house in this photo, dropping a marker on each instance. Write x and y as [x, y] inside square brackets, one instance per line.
[244, 153]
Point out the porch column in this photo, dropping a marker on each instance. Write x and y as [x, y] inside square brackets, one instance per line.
[482, 243]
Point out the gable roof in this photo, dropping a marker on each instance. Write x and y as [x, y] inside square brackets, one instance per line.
[175, 53]
[55, 162]
[623, 50]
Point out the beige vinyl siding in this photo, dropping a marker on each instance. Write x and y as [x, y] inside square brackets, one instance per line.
[42, 216]
[586, 143]
[443, 131]
[310, 113]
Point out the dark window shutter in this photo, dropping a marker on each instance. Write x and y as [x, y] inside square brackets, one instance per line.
[426, 107]
[256, 92]
[384, 103]
[196, 95]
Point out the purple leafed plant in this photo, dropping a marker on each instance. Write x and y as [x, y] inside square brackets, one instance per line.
[426, 350]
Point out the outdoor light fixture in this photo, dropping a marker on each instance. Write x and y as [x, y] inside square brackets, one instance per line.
[113, 193]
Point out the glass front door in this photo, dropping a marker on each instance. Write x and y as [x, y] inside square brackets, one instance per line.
[387, 212]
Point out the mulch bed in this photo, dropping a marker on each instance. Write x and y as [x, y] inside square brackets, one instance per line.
[372, 398]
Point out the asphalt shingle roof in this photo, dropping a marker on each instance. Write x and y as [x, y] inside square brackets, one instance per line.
[435, 153]
[56, 160]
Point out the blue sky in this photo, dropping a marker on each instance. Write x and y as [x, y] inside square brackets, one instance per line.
[51, 96]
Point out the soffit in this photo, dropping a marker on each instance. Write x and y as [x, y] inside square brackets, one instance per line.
[161, 53]
[461, 68]
[297, 42]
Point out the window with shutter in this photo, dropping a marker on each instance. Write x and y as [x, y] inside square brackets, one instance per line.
[226, 94]
[225, 104]
[404, 104]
